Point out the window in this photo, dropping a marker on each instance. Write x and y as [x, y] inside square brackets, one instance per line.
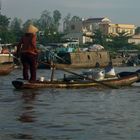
[88, 57]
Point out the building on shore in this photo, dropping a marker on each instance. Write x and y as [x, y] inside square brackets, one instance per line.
[75, 30]
[135, 39]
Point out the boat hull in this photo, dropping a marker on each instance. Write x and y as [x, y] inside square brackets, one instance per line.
[124, 81]
[6, 68]
[76, 60]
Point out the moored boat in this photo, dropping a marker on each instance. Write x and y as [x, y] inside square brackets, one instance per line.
[6, 58]
[109, 82]
[76, 60]
[6, 68]
[6, 61]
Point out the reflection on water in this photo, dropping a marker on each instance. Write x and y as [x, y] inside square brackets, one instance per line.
[27, 114]
[22, 136]
[68, 114]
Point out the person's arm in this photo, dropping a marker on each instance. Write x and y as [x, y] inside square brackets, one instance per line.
[19, 47]
[34, 43]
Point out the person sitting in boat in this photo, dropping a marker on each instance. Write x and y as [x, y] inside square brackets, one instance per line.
[97, 65]
[109, 70]
[97, 73]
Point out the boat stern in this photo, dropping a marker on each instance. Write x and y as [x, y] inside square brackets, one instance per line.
[17, 84]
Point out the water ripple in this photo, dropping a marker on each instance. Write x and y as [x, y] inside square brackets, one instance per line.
[68, 114]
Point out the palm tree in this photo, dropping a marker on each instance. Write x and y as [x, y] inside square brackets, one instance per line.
[120, 41]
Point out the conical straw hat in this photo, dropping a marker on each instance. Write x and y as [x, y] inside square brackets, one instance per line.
[31, 29]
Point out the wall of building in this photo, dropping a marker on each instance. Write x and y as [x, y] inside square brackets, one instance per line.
[90, 58]
[117, 28]
[135, 39]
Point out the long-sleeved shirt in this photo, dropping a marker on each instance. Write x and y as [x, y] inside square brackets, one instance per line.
[27, 45]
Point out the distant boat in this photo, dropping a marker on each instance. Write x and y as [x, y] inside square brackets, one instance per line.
[6, 58]
[6, 63]
[81, 59]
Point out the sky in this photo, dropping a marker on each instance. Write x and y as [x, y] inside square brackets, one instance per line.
[118, 11]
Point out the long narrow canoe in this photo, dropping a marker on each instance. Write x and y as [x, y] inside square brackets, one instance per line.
[118, 82]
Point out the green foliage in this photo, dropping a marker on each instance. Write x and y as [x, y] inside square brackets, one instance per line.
[50, 37]
[119, 41]
[4, 22]
[47, 23]
[7, 37]
[137, 30]
[99, 38]
[137, 47]
[15, 28]
[56, 16]
[69, 19]
[75, 18]
[112, 42]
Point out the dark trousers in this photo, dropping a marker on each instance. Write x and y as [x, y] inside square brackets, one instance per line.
[29, 62]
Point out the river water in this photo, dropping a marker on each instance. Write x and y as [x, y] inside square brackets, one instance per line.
[68, 114]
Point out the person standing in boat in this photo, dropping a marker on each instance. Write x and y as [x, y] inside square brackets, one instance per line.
[27, 51]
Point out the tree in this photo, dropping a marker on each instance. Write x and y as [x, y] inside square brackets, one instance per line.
[99, 38]
[56, 19]
[5, 35]
[120, 41]
[75, 19]
[45, 20]
[49, 26]
[137, 30]
[67, 18]
[16, 28]
[16, 24]
[4, 22]
[66, 22]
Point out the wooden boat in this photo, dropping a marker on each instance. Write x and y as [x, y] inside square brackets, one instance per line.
[6, 68]
[6, 58]
[109, 82]
[76, 60]
[6, 63]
